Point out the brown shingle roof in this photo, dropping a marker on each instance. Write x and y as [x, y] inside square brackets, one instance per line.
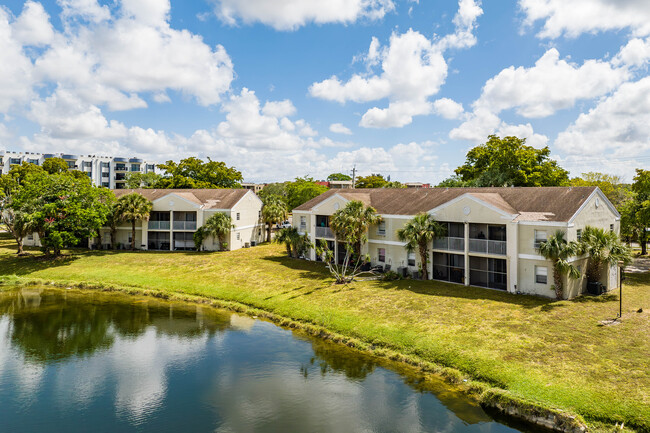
[532, 204]
[208, 198]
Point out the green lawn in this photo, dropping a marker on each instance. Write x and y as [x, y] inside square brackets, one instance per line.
[554, 353]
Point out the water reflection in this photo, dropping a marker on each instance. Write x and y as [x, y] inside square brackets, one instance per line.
[124, 363]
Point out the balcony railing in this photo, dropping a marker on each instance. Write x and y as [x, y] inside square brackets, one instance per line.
[449, 244]
[487, 247]
[158, 225]
[324, 232]
[184, 225]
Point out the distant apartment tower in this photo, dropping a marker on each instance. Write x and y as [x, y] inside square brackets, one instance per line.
[255, 187]
[105, 171]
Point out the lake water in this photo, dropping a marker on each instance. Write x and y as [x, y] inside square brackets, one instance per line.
[74, 361]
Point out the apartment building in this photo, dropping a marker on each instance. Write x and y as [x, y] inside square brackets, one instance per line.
[491, 237]
[106, 171]
[177, 213]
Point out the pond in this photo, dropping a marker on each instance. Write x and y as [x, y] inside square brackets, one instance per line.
[79, 361]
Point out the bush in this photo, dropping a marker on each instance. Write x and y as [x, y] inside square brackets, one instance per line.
[391, 276]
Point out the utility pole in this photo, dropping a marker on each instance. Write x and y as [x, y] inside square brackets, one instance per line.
[354, 175]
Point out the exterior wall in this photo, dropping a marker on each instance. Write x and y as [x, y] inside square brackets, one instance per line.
[249, 228]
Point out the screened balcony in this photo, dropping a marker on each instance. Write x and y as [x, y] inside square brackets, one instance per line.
[323, 227]
[185, 221]
[454, 239]
[488, 272]
[159, 221]
[487, 239]
[449, 267]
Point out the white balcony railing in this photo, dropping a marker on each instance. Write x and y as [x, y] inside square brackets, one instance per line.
[184, 225]
[449, 244]
[158, 225]
[487, 247]
[324, 232]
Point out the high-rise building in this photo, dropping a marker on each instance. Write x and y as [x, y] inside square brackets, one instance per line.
[105, 171]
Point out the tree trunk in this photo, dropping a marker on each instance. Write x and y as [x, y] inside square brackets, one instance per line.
[642, 241]
[268, 232]
[133, 235]
[423, 261]
[19, 240]
[113, 237]
[557, 279]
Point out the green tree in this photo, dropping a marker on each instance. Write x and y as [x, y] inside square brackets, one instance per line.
[558, 250]
[113, 219]
[509, 162]
[371, 181]
[302, 190]
[604, 248]
[55, 166]
[136, 180]
[455, 181]
[419, 233]
[338, 176]
[132, 208]
[274, 189]
[350, 224]
[612, 186]
[218, 225]
[295, 243]
[194, 173]
[635, 212]
[273, 211]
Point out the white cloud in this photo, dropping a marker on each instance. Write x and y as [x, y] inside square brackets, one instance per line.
[279, 108]
[339, 128]
[574, 17]
[292, 14]
[15, 70]
[413, 69]
[33, 26]
[619, 123]
[86, 9]
[448, 108]
[635, 53]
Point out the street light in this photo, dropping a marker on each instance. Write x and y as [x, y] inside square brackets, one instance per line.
[620, 288]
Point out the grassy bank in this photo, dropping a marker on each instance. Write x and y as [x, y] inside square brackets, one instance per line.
[554, 353]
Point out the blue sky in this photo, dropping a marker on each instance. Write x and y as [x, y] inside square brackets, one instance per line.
[285, 88]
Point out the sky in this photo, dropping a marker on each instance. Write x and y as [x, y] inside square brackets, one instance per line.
[287, 88]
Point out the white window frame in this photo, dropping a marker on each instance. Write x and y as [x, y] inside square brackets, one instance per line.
[238, 216]
[579, 234]
[381, 256]
[539, 240]
[238, 236]
[539, 273]
[381, 228]
[411, 258]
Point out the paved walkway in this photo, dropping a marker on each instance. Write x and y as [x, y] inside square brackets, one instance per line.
[639, 266]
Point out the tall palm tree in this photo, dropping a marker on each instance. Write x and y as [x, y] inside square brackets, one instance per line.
[274, 211]
[132, 208]
[218, 225]
[351, 223]
[418, 234]
[604, 247]
[558, 250]
[295, 243]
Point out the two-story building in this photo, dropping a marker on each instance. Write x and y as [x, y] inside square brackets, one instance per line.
[178, 213]
[491, 233]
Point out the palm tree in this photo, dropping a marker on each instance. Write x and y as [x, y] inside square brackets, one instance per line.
[351, 223]
[112, 221]
[133, 207]
[558, 250]
[295, 243]
[19, 224]
[274, 211]
[218, 225]
[603, 247]
[418, 234]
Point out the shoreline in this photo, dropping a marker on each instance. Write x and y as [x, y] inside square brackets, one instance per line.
[488, 396]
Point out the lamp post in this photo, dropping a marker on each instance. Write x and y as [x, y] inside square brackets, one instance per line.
[620, 288]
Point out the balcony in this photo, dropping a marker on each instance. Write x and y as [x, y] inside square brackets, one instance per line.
[302, 229]
[158, 225]
[485, 246]
[325, 233]
[184, 225]
[120, 167]
[449, 244]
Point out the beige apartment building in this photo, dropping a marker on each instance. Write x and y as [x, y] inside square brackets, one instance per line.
[492, 233]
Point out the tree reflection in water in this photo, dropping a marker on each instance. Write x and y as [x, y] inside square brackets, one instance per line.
[52, 324]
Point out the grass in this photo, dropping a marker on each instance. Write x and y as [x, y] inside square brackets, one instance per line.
[554, 353]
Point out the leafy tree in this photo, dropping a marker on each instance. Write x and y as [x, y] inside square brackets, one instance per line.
[604, 248]
[349, 268]
[558, 250]
[302, 190]
[635, 212]
[350, 224]
[218, 225]
[394, 184]
[338, 176]
[55, 166]
[19, 224]
[274, 211]
[509, 162]
[274, 189]
[295, 243]
[418, 234]
[612, 186]
[371, 181]
[132, 208]
[455, 181]
[142, 180]
[113, 219]
[194, 173]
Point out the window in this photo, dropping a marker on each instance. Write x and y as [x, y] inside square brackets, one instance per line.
[151, 167]
[106, 184]
[135, 167]
[611, 227]
[105, 174]
[411, 258]
[105, 165]
[71, 164]
[381, 253]
[33, 161]
[14, 161]
[303, 222]
[30, 237]
[541, 274]
[88, 164]
[540, 236]
[238, 236]
[579, 234]
[237, 218]
[120, 167]
[381, 228]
